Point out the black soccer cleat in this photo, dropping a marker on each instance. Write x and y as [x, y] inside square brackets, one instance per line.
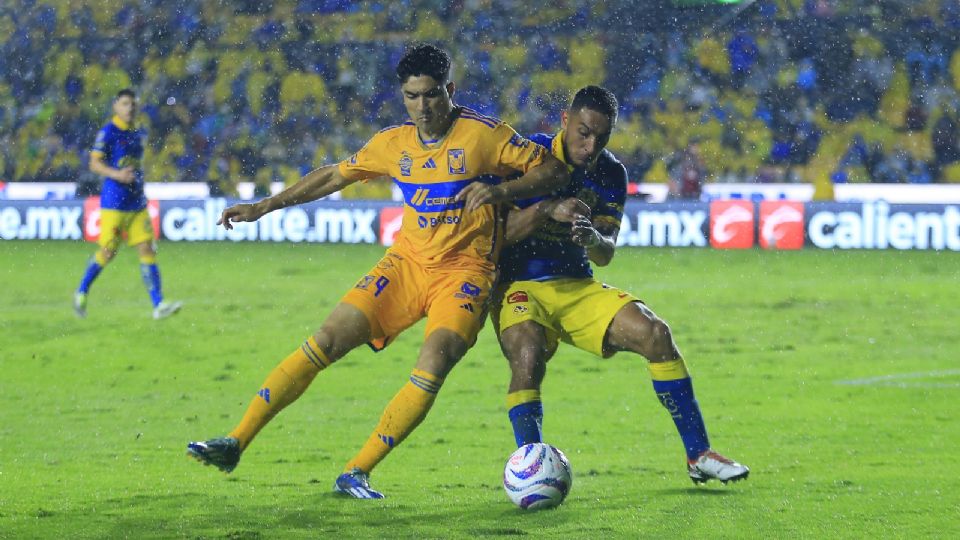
[223, 452]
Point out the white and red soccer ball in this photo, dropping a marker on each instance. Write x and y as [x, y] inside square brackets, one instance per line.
[537, 476]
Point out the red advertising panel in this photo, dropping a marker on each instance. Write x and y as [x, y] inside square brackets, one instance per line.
[91, 218]
[781, 224]
[390, 219]
[731, 224]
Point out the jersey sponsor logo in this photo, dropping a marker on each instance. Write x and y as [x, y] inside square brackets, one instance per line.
[421, 198]
[430, 164]
[364, 282]
[520, 309]
[470, 288]
[456, 161]
[468, 307]
[422, 222]
[518, 296]
[731, 224]
[781, 224]
[406, 162]
[353, 159]
[265, 394]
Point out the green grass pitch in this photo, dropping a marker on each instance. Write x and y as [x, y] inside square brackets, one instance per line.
[833, 375]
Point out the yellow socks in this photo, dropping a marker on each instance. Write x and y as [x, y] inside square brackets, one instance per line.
[283, 386]
[404, 413]
[670, 370]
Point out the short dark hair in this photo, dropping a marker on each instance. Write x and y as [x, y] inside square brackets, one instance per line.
[424, 59]
[596, 98]
[126, 92]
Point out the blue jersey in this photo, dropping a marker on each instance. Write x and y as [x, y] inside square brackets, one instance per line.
[119, 146]
[549, 253]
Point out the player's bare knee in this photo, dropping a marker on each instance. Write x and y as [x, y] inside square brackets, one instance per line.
[108, 255]
[661, 341]
[331, 344]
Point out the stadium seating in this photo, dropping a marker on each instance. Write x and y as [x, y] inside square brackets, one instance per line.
[251, 91]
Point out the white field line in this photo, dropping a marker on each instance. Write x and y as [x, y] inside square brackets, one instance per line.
[908, 380]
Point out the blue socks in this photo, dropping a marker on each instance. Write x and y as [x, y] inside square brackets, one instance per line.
[93, 270]
[151, 278]
[526, 415]
[677, 397]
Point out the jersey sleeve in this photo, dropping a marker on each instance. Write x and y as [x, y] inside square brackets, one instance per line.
[369, 162]
[515, 152]
[609, 211]
[101, 146]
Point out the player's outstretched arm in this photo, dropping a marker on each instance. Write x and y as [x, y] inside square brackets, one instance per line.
[549, 176]
[522, 222]
[316, 184]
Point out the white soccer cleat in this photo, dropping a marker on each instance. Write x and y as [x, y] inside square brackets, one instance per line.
[711, 465]
[80, 304]
[166, 309]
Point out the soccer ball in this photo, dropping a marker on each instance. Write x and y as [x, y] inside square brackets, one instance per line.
[537, 476]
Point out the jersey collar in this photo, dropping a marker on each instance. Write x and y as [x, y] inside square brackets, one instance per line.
[117, 121]
[556, 148]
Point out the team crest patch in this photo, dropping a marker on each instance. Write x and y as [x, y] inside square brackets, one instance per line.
[589, 197]
[456, 161]
[519, 296]
[405, 163]
[470, 289]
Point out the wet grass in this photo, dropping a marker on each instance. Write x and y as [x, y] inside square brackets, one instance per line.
[784, 348]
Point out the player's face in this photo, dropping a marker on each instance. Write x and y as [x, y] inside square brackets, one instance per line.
[126, 108]
[428, 103]
[586, 133]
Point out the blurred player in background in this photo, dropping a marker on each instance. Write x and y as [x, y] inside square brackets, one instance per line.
[116, 157]
[448, 162]
[550, 294]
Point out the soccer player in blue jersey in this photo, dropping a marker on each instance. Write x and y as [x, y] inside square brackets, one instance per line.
[549, 294]
[116, 157]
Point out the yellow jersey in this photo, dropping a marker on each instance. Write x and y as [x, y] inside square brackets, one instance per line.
[436, 230]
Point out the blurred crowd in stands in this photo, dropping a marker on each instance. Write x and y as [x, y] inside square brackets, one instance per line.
[780, 91]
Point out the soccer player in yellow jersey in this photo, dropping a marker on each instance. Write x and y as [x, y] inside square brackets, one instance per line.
[549, 293]
[450, 163]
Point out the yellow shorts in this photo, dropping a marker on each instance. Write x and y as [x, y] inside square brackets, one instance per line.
[576, 311]
[115, 223]
[398, 292]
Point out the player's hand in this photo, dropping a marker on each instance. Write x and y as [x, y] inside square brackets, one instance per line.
[584, 234]
[565, 210]
[126, 175]
[478, 194]
[240, 213]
